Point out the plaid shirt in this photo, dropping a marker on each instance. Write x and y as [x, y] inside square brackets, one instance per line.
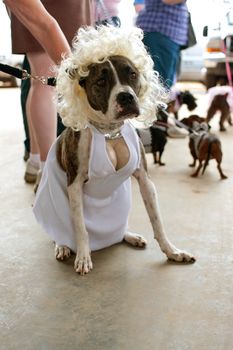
[169, 20]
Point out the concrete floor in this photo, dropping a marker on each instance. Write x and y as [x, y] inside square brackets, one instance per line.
[133, 299]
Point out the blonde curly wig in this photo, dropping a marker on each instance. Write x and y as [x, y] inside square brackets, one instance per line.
[95, 45]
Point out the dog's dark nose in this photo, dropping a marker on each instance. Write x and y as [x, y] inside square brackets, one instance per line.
[124, 98]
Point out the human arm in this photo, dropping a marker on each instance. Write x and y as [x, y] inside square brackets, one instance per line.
[42, 25]
[173, 2]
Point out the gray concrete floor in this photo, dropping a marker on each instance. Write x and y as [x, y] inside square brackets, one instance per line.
[133, 299]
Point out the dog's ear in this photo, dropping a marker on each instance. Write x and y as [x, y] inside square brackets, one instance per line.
[82, 82]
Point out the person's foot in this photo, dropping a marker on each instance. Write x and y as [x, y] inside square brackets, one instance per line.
[38, 178]
[32, 169]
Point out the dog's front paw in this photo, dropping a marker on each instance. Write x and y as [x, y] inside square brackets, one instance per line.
[83, 263]
[62, 252]
[180, 256]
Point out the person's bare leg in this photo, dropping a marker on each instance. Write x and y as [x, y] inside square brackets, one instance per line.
[33, 162]
[41, 108]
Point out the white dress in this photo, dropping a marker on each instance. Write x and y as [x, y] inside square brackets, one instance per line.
[106, 195]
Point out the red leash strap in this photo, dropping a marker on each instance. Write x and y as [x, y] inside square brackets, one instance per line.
[228, 68]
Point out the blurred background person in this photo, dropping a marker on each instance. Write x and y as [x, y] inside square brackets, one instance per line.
[165, 26]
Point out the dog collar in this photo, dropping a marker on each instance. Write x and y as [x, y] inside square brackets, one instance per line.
[113, 135]
[110, 132]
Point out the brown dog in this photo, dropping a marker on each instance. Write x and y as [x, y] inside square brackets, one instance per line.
[188, 121]
[220, 104]
[203, 147]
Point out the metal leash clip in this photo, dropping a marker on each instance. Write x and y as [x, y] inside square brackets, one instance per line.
[42, 79]
[25, 75]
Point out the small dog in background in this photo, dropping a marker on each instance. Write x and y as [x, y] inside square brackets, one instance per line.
[154, 138]
[204, 147]
[220, 104]
[178, 98]
[159, 136]
[188, 121]
[220, 100]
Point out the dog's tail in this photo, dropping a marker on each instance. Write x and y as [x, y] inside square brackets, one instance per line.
[208, 157]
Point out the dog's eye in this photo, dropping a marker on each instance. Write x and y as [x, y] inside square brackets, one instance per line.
[133, 75]
[101, 82]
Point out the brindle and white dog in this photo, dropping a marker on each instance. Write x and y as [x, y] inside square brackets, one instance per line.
[83, 200]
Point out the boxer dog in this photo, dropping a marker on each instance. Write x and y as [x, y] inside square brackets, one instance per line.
[83, 199]
[204, 147]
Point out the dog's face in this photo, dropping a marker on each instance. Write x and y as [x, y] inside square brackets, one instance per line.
[112, 88]
[200, 127]
[188, 99]
[191, 119]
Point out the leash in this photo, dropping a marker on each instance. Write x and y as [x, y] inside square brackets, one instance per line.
[51, 81]
[182, 125]
[227, 63]
[23, 75]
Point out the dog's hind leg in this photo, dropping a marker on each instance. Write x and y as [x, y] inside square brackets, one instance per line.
[219, 160]
[217, 154]
[210, 113]
[221, 122]
[193, 164]
[135, 240]
[223, 176]
[62, 252]
[195, 174]
[229, 119]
